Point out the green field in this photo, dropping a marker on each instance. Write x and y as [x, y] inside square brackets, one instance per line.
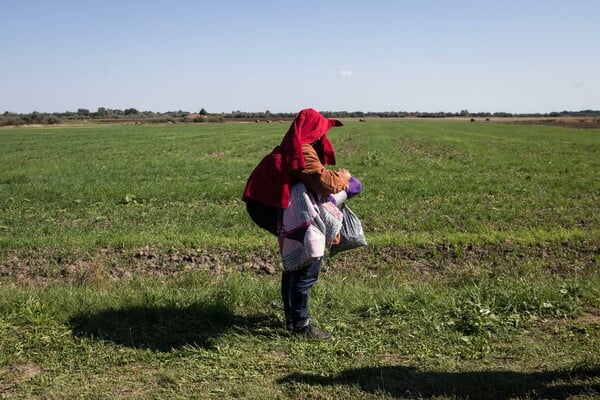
[129, 268]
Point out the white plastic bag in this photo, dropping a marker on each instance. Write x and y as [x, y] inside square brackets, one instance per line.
[351, 233]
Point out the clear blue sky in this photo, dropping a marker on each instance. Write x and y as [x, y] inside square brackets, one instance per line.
[282, 56]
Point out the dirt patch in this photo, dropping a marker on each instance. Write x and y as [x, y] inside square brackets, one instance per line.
[416, 261]
[17, 374]
[113, 264]
[444, 258]
[174, 261]
[569, 122]
[590, 315]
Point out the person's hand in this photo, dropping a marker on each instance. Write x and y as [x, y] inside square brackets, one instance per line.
[345, 174]
[337, 239]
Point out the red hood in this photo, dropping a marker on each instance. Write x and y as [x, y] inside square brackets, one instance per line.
[270, 181]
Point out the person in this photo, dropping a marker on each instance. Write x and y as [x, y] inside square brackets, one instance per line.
[301, 157]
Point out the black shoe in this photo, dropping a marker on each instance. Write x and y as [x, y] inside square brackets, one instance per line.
[312, 332]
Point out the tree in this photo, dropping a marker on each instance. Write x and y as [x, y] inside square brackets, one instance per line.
[131, 111]
[203, 112]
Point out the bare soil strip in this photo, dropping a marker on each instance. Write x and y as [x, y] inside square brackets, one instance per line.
[441, 259]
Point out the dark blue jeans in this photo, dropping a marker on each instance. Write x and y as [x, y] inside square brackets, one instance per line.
[295, 291]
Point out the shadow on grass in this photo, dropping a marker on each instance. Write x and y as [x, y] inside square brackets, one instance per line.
[404, 382]
[167, 328]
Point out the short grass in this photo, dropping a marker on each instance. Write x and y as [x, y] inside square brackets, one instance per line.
[480, 281]
[203, 336]
[425, 181]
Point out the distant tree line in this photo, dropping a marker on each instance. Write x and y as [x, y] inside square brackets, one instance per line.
[103, 114]
[132, 115]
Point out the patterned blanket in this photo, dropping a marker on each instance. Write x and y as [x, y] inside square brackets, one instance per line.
[308, 226]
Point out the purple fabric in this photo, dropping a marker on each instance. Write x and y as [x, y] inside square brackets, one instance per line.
[354, 187]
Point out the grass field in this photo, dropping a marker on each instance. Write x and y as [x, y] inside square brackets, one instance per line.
[129, 268]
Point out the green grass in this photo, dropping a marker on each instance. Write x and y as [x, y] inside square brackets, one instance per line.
[425, 181]
[83, 187]
[127, 266]
[203, 336]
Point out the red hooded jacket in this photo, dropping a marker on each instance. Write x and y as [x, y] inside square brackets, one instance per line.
[270, 181]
